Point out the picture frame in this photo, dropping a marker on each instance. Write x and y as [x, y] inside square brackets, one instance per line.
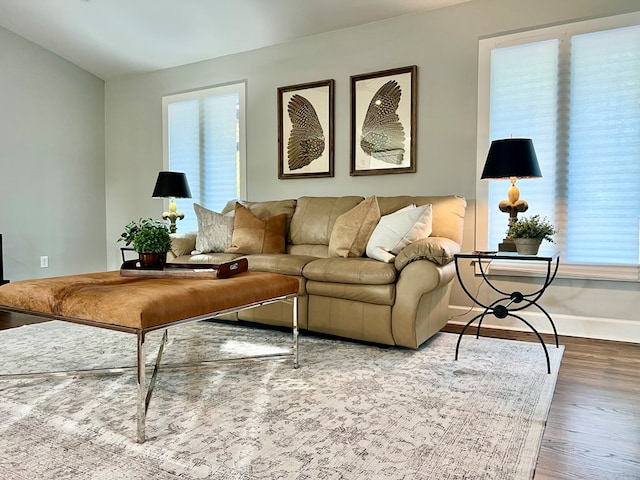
[383, 122]
[306, 130]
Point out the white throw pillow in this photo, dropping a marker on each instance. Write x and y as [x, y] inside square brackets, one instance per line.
[215, 231]
[397, 230]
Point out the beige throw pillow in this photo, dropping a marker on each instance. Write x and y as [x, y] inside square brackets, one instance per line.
[397, 230]
[253, 235]
[214, 230]
[353, 228]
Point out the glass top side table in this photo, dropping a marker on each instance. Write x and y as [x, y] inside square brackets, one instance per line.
[509, 303]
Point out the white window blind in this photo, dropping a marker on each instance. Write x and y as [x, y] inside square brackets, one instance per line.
[604, 148]
[523, 105]
[575, 91]
[204, 138]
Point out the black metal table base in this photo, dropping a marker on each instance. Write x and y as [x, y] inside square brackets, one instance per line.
[502, 310]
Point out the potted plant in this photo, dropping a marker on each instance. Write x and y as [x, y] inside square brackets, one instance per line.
[528, 233]
[150, 238]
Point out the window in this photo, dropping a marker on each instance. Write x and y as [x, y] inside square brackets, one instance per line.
[575, 90]
[203, 134]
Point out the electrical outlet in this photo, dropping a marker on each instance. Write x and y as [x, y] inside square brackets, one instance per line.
[44, 262]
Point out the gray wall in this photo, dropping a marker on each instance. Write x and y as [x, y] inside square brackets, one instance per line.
[51, 163]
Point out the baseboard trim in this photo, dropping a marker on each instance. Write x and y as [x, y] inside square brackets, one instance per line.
[568, 325]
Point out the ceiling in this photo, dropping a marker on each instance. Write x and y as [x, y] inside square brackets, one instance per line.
[110, 38]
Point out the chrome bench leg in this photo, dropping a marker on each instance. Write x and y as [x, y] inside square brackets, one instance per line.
[144, 393]
[142, 389]
[295, 332]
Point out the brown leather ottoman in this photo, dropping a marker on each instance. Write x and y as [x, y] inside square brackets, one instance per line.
[141, 305]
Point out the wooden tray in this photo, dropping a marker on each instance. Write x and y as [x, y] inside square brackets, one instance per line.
[132, 268]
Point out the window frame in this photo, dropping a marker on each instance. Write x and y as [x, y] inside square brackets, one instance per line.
[563, 33]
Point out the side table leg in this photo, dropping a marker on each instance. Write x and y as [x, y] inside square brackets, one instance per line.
[486, 310]
[553, 325]
[544, 347]
[464, 329]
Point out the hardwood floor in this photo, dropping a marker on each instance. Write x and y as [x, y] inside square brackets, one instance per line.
[593, 429]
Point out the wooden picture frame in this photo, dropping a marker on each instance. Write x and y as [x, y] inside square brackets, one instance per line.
[383, 122]
[305, 130]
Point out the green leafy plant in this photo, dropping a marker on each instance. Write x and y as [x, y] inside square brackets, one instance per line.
[532, 227]
[147, 236]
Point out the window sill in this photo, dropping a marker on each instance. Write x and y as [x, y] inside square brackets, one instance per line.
[629, 273]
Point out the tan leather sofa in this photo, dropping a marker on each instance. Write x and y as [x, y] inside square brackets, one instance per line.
[400, 303]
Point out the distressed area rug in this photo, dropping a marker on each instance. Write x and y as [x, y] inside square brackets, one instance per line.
[351, 411]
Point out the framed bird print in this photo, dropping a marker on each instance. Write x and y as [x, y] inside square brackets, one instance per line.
[383, 122]
[305, 130]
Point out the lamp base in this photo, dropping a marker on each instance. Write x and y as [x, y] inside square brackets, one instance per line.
[507, 245]
[172, 217]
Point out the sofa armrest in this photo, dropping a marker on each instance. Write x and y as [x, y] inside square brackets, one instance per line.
[439, 250]
[183, 243]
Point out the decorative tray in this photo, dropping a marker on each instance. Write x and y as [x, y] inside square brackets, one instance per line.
[132, 268]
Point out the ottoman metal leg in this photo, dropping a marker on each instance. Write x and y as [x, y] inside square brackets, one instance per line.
[144, 393]
[142, 389]
[295, 332]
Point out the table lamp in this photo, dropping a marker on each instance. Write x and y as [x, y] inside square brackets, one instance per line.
[172, 185]
[511, 158]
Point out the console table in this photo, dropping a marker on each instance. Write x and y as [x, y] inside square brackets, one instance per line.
[509, 303]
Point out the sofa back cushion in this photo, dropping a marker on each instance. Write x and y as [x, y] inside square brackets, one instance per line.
[272, 208]
[314, 217]
[269, 208]
[320, 251]
[447, 212]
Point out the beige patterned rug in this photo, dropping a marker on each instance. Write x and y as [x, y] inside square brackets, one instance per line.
[351, 411]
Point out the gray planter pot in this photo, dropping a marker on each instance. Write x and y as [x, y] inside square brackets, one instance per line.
[527, 246]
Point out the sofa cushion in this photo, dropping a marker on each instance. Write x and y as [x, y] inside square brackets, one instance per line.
[376, 294]
[364, 271]
[397, 230]
[447, 212]
[352, 229]
[183, 243]
[271, 208]
[214, 230]
[268, 208]
[255, 235]
[314, 217]
[284, 263]
[320, 251]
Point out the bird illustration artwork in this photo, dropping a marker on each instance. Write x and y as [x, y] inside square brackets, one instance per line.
[306, 140]
[382, 134]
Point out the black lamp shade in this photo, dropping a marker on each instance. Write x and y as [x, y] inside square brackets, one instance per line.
[171, 184]
[511, 157]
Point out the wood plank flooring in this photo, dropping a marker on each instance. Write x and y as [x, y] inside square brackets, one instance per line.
[593, 429]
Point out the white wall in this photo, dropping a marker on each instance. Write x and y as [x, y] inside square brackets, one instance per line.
[51, 163]
[443, 43]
